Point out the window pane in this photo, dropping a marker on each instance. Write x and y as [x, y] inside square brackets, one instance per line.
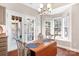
[47, 32]
[57, 26]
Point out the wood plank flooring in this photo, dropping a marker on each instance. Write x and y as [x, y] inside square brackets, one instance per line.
[60, 52]
[65, 52]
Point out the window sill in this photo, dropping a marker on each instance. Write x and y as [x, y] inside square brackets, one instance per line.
[65, 39]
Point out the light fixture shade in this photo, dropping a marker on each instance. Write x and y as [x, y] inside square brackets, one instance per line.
[39, 9]
[41, 5]
[48, 5]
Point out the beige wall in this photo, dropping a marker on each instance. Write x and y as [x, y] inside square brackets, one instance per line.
[73, 45]
[2, 15]
[75, 26]
[20, 8]
[74, 20]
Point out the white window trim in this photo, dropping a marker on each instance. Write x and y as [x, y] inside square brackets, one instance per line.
[64, 39]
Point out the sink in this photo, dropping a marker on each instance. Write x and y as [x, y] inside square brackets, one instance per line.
[32, 45]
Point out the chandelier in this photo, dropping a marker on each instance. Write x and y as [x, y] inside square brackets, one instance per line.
[45, 9]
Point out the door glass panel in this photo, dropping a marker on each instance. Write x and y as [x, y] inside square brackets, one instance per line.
[16, 27]
[30, 30]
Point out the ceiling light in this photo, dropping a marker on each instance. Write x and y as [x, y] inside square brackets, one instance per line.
[39, 9]
[41, 5]
[49, 6]
[45, 9]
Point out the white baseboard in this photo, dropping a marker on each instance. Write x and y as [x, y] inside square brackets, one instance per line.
[69, 48]
[76, 50]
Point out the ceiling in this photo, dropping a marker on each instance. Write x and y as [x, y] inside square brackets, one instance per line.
[37, 5]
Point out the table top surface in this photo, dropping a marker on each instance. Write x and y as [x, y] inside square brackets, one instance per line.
[41, 45]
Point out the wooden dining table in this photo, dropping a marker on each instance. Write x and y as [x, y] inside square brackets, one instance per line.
[44, 49]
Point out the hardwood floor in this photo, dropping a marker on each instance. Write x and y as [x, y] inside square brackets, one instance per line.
[60, 52]
[65, 52]
[13, 53]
